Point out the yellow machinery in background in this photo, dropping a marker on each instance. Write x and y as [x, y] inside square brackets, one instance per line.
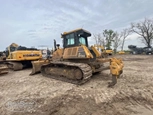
[101, 50]
[104, 51]
[121, 52]
[11, 48]
[109, 51]
[18, 57]
[76, 61]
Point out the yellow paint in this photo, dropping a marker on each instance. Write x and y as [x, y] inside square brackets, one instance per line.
[121, 52]
[21, 55]
[87, 52]
[96, 51]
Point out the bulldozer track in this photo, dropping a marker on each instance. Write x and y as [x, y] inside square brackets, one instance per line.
[15, 65]
[85, 68]
[3, 69]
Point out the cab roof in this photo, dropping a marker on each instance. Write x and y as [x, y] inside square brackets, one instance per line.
[77, 30]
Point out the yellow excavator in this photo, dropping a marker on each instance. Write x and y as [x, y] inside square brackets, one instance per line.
[18, 57]
[76, 61]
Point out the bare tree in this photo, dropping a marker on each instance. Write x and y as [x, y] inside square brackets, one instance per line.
[99, 39]
[145, 30]
[117, 41]
[124, 34]
[95, 38]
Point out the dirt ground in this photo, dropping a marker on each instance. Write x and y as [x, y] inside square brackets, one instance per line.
[21, 94]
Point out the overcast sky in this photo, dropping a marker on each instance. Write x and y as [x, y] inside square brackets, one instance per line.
[38, 22]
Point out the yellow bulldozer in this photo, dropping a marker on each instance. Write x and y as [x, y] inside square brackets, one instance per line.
[76, 61]
[18, 57]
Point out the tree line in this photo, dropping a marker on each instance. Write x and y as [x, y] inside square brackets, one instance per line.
[110, 38]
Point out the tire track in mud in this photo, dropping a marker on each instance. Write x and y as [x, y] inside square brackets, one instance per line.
[109, 95]
[87, 101]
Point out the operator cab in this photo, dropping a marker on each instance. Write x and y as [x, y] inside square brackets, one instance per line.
[75, 38]
[9, 50]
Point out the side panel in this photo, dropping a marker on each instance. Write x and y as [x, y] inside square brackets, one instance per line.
[26, 55]
[57, 54]
[79, 52]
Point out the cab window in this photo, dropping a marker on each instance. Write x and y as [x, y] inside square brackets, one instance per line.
[82, 40]
[70, 39]
[12, 49]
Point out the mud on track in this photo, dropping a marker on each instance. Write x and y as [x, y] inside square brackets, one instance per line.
[21, 94]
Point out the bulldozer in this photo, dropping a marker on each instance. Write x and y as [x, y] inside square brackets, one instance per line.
[19, 57]
[76, 62]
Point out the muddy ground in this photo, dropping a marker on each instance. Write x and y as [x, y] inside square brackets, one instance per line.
[21, 94]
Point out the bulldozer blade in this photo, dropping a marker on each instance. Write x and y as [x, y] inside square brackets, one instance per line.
[36, 66]
[4, 69]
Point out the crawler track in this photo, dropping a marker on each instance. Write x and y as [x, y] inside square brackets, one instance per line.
[68, 66]
[3, 68]
[15, 65]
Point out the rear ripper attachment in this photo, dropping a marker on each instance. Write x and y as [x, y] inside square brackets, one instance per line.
[116, 69]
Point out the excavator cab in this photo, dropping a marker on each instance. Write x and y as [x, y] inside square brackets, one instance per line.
[6, 55]
[11, 48]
